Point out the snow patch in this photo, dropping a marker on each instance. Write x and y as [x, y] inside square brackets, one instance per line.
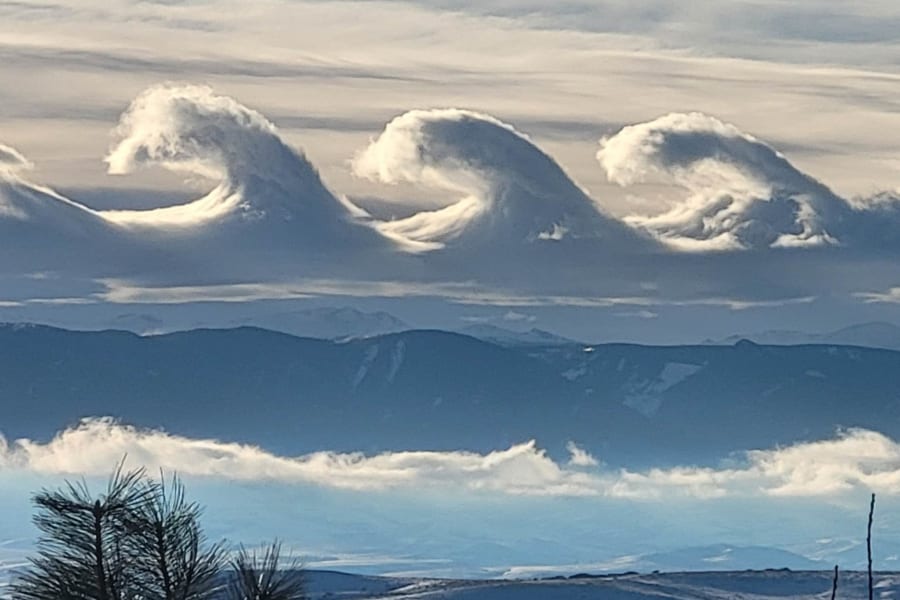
[398, 354]
[645, 396]
[368, 361]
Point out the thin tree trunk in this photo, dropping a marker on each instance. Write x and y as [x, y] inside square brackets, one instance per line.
[869, 545]
[834, 583]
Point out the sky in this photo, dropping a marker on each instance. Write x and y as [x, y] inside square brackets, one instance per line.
[637, 159]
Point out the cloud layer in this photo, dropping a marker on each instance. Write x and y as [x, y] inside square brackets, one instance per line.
[269, 219]
[853, 462]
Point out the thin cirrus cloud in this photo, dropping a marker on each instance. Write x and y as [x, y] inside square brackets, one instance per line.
[854, 461]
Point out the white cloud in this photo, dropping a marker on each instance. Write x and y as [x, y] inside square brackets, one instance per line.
[579, 457]
[11, 161]
[638, 314]
[890, 296]
[741, 193]
[92, 447]
[190, 128]
[509, 191]
[517, 317]
[853, 462]
[271, 218]
[119, 291]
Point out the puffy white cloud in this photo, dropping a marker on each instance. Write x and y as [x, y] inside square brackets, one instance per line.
[94, 445]
[854, 461]
[191, 128]
[579, 457]
[741, 193]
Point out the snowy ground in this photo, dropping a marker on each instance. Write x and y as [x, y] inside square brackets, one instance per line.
[749, 585]
[721, 585]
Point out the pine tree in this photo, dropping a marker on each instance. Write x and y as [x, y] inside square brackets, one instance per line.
[264, 577]
[82, 552]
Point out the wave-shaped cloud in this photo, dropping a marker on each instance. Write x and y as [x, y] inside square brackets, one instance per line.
[268, 199]
[853, 461]
[741, 193]
[509, 190]
[270, 218]
[191, 129]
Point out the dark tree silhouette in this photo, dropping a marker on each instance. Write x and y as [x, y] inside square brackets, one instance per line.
[82, 552]
[174, 557]
[140, 540]
[263, 576]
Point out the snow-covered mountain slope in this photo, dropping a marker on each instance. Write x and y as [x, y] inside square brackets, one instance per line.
[330, 323]
[510, 337]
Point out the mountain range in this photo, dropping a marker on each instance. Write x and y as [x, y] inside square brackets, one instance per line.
[628, 404]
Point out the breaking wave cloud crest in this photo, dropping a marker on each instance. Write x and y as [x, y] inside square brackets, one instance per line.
[270, 217]
[853, 461]
[740, 192]
[507, 188]
[194, 130]
[266, 200]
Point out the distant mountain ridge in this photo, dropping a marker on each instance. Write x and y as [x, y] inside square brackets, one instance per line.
[427, 389]
[324, 322]
[330, 323]
[510, 337]
[876, 334]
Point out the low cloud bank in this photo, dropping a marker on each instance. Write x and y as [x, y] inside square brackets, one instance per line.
[854, 461]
